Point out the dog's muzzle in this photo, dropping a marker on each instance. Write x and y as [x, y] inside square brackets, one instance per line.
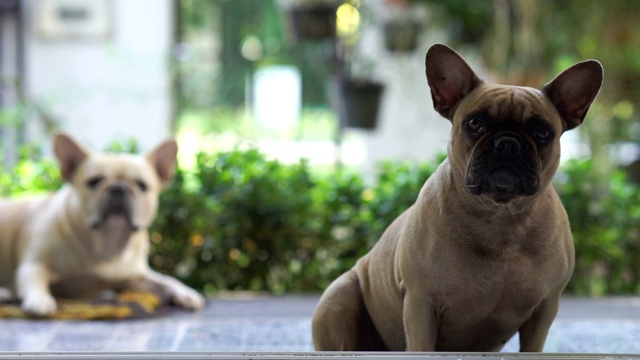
[504, 170]
[116, 203]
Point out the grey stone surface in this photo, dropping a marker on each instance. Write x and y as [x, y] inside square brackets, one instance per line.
[282, 324]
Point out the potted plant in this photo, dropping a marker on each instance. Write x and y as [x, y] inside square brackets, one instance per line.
[401, 36]
[356, 95]
[403, 25]
[357, 102]
[311, 19]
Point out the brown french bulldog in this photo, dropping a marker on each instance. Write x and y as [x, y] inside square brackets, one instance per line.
[486, 249]
[91, 234]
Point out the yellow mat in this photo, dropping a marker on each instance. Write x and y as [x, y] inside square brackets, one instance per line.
[126, 304]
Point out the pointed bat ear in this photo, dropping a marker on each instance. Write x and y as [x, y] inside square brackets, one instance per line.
[70, 155]
[163, 159]
[450, 78]
[573, 90]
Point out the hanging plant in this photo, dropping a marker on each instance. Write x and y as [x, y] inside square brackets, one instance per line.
[403, 25]
[401, 36]
[357, 102]
[311, 19]
[356, 95]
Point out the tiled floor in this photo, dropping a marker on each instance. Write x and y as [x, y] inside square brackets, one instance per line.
[283, 324]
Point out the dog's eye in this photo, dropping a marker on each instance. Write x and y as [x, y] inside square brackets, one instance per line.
[93, 182]
[542, 133]
[142, 185]
[476, 126]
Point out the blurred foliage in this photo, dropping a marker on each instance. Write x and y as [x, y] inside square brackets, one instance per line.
[128, 145]
[240, 221]
[519, 39]
[215, 37]
[31, 175]
[275, 227]
[522, 38]
[606, 230]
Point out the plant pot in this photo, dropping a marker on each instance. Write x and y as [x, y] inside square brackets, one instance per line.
[401, 36]
[357, 103]
[317, 22]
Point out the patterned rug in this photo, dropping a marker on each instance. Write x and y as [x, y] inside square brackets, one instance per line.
[123, 305]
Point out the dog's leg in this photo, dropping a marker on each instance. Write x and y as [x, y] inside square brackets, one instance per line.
[178, 293]
[420, 323]
[32, 280]
[533, 332]
[341, 321]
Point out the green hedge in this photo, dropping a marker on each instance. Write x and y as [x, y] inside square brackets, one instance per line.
[30, 175]
[256, 224]
[606, 229]
[239, 221]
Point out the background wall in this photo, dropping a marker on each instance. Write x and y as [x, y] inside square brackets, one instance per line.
[102, 89]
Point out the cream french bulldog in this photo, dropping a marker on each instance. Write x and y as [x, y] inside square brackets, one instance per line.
[486, 250]
[91, 234]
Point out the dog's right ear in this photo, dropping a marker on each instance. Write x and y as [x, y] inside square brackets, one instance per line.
[450, 78]
[163, 159]
[69, 153]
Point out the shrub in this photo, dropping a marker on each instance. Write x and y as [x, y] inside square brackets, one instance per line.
[606, 229]
[31, 175]
[256, 224]
[258, 235]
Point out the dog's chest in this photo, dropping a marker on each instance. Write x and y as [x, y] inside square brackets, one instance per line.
[489, 309]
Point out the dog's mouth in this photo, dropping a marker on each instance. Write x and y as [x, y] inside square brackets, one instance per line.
[503, 167]
[114, 213]
[503, 184]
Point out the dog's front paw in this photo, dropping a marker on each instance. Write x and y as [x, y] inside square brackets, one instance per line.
[188, 298]
[39, 305]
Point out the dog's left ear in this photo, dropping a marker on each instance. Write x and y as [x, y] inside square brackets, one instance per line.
[163, 159]
[450, 78]
[69, 153]
[573, 90]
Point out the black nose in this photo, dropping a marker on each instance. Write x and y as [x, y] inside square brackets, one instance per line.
[117, 190]
[507, 145]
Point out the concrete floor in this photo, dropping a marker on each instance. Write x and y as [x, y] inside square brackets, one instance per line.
[282, 324]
